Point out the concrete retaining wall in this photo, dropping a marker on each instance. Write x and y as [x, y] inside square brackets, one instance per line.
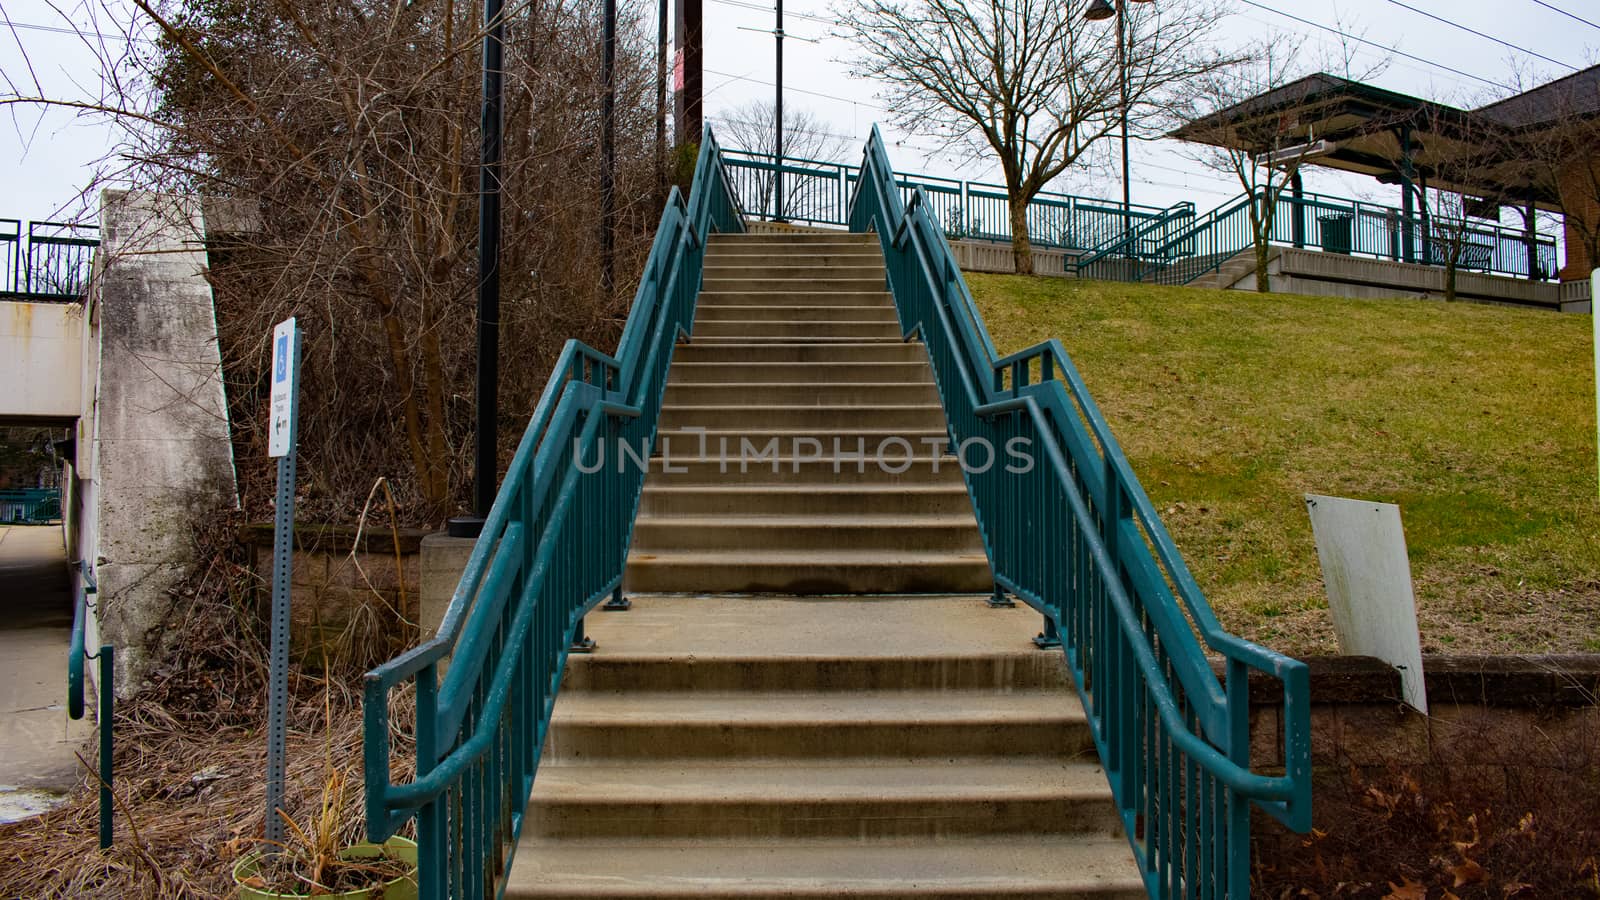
[355, 600]
[1319, 273]
[153, 444]
[1493, 719]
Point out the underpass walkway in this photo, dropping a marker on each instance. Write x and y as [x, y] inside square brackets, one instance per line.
[37, 739]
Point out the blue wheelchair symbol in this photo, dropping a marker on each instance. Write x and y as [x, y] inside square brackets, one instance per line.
[282, 373]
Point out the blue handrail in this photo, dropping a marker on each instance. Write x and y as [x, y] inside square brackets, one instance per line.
[553, 546]
[1075, 536]
[84, 586]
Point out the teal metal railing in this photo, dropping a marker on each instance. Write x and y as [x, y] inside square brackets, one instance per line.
[30, 506]
[818, 193]
[84, 586]
[552, 548]
[1331, 224]
[1075, 536]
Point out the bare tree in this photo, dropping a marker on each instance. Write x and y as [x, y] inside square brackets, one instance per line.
[749, 127]
[350, 128]
[1263, 153]
[1028, 80]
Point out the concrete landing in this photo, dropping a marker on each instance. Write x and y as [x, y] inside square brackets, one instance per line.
[37, 739]
[864, 627]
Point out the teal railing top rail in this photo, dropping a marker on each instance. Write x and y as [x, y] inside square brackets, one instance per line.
[1075, 536]
[817, 192]
[1330, 224]
[553, 546]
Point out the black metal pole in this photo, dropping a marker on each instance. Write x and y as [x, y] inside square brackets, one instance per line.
[777, 124]
[608, 152]
[486, 459]
[661, 102]
[1122, 79]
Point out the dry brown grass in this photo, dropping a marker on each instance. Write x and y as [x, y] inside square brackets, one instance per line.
[190, 756]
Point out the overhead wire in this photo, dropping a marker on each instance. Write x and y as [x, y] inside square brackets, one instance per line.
[1569, 15]
[1504, 43]
[1361, 40]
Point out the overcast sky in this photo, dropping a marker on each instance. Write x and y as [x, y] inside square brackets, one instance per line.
[48, 154]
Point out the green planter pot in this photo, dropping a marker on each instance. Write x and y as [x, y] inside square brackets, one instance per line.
[403, 888]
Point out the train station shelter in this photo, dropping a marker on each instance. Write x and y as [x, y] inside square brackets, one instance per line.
[1537, 150]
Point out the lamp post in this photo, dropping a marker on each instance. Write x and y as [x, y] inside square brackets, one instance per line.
[1099, 11]
[485, 464]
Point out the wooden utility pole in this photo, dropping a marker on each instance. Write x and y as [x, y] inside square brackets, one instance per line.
[688, 72]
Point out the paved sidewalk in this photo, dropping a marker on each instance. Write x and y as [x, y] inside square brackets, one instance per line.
[37, 739]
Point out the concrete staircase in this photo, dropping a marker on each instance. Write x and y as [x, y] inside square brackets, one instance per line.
[771, 471]
[781, 747]
[1236, 268]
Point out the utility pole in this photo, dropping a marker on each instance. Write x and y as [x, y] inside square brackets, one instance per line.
[777, 162]
[686, 98]
[608, 152]
[661, 102]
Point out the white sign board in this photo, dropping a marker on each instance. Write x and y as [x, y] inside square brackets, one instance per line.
[285, 369]
[1368, 578]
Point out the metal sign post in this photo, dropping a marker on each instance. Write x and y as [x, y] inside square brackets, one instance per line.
[1594, 319]
[281, 442]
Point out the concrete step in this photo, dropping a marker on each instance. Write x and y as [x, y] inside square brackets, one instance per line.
[828, 284]
[876, 298]
[790, 329]
[750, 725]
[784, 645]
[757, 416]
[709, 373]
[847, 445]
[808, 572]
[776, 267]
[776, 313]
[793, 238]
[696, 501]
[870, 799]
[791, 747]
[1054, 867]
[893, 534]
[798, 393]
[773, 352]
[922, 469]
[819, 255]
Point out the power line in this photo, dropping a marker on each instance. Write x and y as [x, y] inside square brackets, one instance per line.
[744, 4]
[1567, 14]
[1490, 37]
[74, 32]
[796, 90]
[1362, 40]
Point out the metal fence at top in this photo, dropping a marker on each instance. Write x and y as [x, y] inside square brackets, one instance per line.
[818, 193]
[30, 506]
[46, 261]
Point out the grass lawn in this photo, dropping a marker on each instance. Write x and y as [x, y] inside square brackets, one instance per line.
[1478, 421]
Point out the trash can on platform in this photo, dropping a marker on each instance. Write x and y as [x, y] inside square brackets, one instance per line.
[1336, 228]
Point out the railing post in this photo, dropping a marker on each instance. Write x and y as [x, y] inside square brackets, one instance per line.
[108, 702]
[581, 642]
[433, 837]
[1238, 692]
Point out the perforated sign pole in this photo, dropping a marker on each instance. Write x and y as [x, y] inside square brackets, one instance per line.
[281, 442]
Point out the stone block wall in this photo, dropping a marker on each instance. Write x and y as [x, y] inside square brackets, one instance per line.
[355, 601]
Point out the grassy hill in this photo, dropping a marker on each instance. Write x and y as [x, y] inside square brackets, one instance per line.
[1478, 421]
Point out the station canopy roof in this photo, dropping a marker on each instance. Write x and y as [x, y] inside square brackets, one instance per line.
[1471, 152]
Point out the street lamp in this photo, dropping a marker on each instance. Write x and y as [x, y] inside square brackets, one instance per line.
[1099, 11]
